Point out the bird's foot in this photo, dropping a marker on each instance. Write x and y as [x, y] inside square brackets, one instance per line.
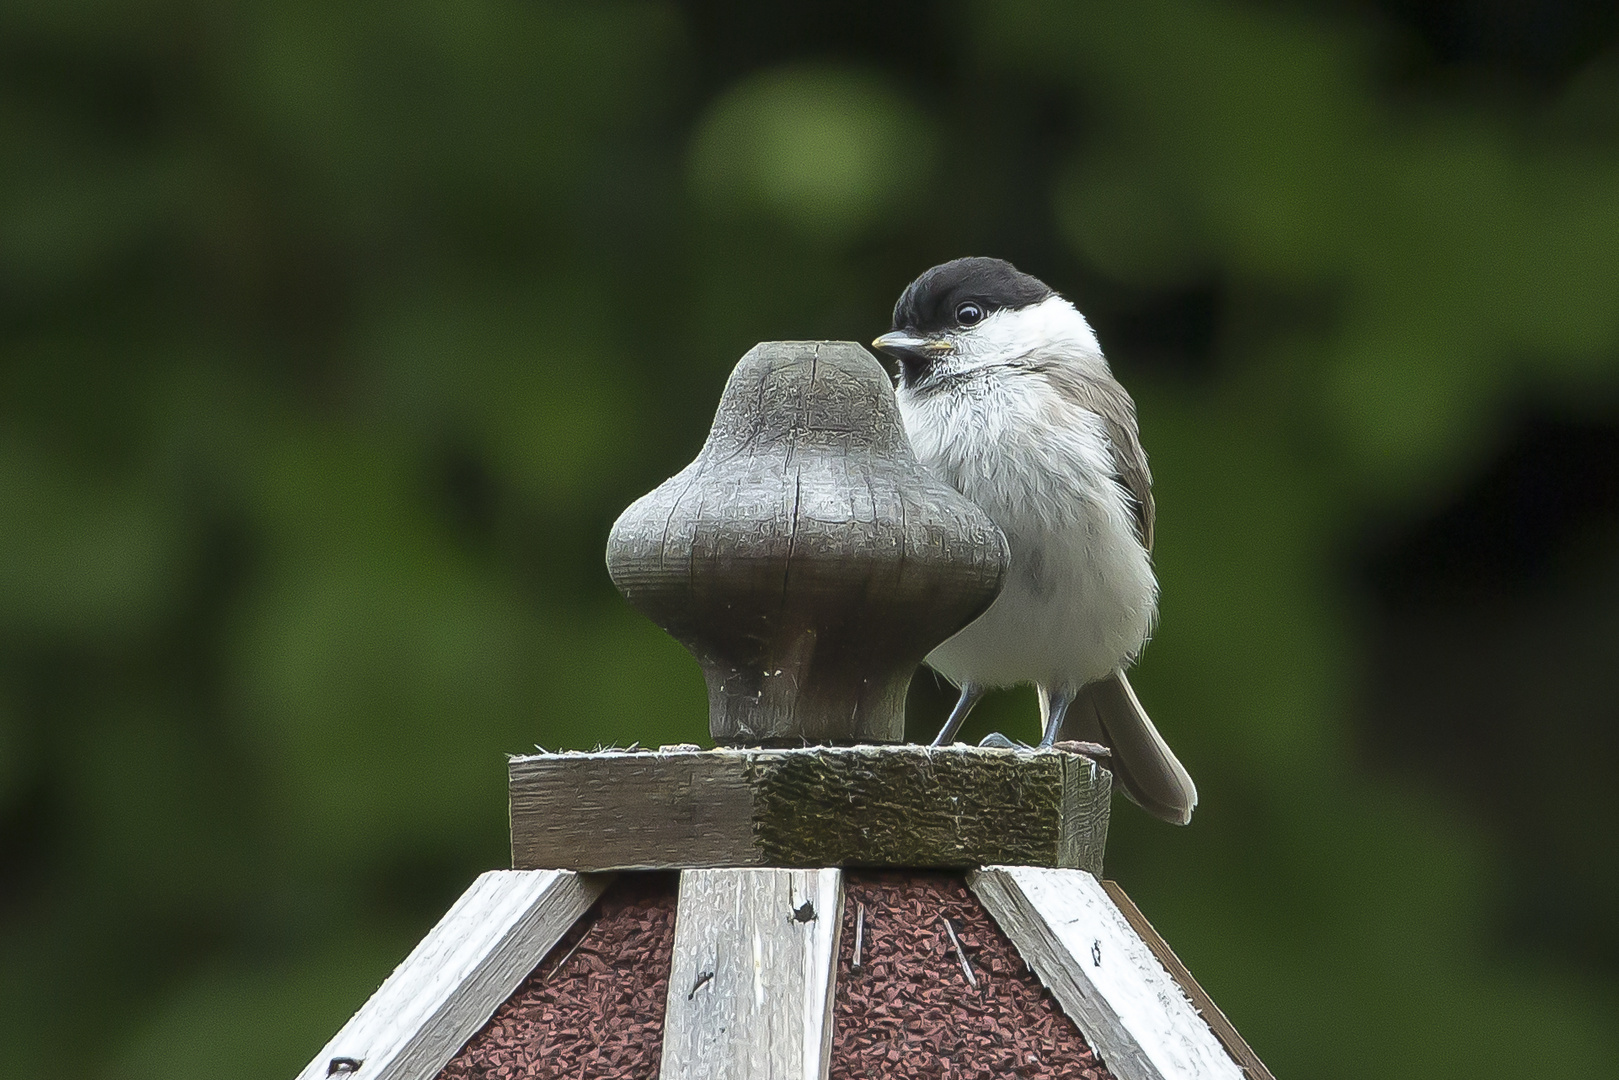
[996, 741]
[970, 693]
[1057, 703]
[1089, 749]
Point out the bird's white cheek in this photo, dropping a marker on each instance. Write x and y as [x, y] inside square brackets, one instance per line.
[1052, 327]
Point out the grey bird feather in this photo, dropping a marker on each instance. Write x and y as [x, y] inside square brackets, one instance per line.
[1113, 403]
[1147, 770]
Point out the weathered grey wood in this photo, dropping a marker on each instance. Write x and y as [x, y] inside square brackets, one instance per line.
[955, 806]
[453, 981]
[1223, 1029]
[1107, 980]
[751, 983]
[806, 558]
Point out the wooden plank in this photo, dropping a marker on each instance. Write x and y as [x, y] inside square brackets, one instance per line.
[621, 810]
[921, 806]
[751, 983]
[453, 981]
[1223, 1029]
[1125, 1003]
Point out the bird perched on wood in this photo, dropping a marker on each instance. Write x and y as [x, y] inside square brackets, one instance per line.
[1005, 394]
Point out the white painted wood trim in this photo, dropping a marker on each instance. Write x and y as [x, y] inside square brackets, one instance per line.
[1106, 978]
[459, 974]
[754, 971]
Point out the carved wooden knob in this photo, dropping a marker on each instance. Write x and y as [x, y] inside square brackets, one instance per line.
[806, 558]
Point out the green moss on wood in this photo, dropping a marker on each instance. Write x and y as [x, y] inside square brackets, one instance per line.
[917, 806]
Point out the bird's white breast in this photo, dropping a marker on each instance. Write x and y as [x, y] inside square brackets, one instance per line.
[1080, 596]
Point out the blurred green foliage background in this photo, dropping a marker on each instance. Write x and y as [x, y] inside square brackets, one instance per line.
[334, 337]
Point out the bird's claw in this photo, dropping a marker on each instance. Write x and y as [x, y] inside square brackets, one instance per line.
[1089, 749]
[996, 741]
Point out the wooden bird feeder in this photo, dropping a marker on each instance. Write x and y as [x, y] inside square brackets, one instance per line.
[811, 897]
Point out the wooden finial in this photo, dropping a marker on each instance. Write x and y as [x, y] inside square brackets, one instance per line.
[806, 558]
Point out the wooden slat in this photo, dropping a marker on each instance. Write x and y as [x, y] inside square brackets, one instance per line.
[453, 981]
[1223, 1029]
[1105, 977]
[750, 988]
[684, 808]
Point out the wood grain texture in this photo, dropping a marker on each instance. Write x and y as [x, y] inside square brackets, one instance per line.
[750, 988]
[954, 806]
[1223, 1029]
[453, 981]
[806, 558]
[640, 811]
[1103, 974]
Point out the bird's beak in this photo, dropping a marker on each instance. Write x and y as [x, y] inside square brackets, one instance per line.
[913, 353]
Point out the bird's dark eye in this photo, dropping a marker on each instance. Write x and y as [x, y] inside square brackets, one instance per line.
[969, 314]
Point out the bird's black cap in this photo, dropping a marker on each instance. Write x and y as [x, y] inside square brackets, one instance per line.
[929, 304]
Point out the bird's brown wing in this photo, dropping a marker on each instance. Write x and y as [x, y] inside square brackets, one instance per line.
[1112, 402]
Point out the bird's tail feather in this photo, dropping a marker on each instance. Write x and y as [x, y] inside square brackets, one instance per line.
[1145, 767]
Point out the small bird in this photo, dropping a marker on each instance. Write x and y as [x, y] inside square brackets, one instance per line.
[1005, 395]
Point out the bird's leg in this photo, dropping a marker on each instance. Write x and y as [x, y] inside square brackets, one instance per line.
[1060, 700]
[970, 693]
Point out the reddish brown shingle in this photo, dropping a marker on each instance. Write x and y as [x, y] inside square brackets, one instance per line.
[596, 1013]
[910, 1011]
